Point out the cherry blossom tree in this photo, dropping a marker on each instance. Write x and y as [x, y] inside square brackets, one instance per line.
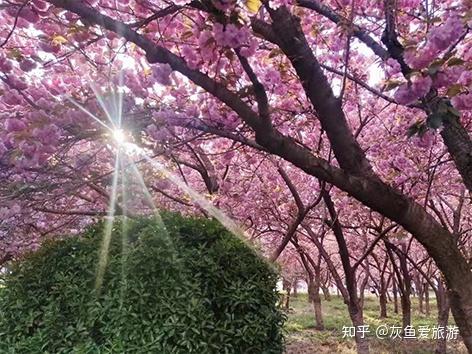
[248, 101]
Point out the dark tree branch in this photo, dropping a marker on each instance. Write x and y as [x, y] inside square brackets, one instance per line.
[372, 245]
[357, 31]
[302, 211]
[72, 212]
[292, 41]
[15, 22]
[157, 15]
[259, 91]
[389, 37]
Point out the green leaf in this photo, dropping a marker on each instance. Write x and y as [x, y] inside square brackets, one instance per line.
[392, 84]
[193, 285]
[454, 90]
[418, 128]
[455, 61]
[412, 130]
[435, 66]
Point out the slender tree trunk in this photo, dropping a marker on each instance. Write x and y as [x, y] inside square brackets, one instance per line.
[287, 299]
[354, 304]
[315, 299]
[313, 281]
[383, 303]
[364, 285]
[395, 295]
[406, 301]
[318, 312]
[383, 290]
[420, 290]
[406, 310]
[420, 302]
[404, 280]
[426, 299]
[325, 283]
[295, 288]
[389, 295]
[357, 318]
[326, 293]
[443, 316]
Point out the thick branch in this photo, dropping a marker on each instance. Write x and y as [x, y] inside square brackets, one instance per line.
[292, 41]
[459, 145]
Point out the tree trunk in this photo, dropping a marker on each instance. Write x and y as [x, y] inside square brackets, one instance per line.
[395, 295]
[318, 312]
[287, 298]
[383, 290]
[362, 344]
[420, 298]
[403, 278]
[326, 293]
[353, 302]
[460, 300]
[295, 288]
[389, 294]
[406, 302]
[313, 281]
[364, 285]
[406, 310]
[383, 304]
[315, 299]
[426, 299]
[443, 316]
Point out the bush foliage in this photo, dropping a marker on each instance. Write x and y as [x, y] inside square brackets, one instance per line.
[191, 287]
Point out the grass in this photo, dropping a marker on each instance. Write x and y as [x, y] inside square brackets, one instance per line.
[302, 337]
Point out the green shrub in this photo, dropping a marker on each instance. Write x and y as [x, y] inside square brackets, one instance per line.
[192, 288]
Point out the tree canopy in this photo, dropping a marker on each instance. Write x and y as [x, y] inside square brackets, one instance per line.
[300, 119]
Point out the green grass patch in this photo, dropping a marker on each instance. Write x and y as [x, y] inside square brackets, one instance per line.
[302, 337]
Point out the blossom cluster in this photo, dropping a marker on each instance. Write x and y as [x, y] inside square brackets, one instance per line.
[418, 87]
[438, 40]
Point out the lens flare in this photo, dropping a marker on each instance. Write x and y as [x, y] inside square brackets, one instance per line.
[126, 150]
[119, 136]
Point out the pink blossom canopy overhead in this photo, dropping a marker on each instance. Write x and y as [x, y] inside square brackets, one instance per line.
[260, 106]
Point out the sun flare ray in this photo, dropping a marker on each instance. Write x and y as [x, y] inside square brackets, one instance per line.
[124, 231]
[103, 255]
[103, 105]
[83, 109]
